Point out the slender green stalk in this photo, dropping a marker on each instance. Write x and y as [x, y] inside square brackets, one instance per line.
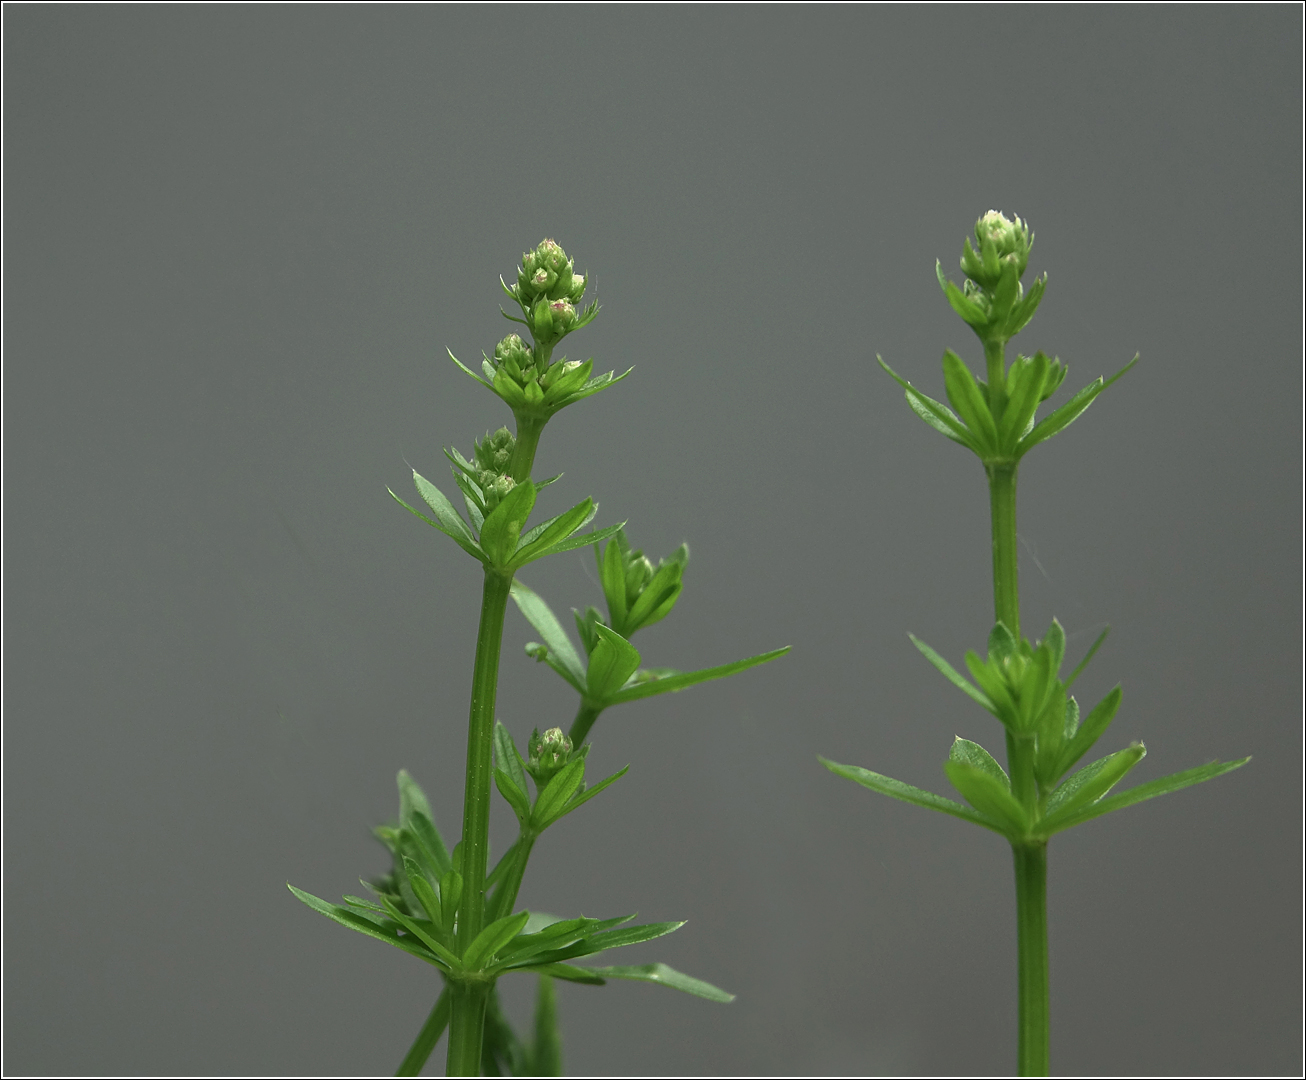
[427, 1037]
[467, 1027]
[585, 717]
[529, 429]
[1032, 957]
[1006, 580]
[995, 362]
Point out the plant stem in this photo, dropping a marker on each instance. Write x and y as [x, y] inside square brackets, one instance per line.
[427, 1037]
[529, 429]
[1032, 958]
[1006, 580]
[996, 362]
[467, 1026]
[585, 717]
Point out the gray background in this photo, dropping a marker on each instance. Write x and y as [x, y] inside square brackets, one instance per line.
[237, 242]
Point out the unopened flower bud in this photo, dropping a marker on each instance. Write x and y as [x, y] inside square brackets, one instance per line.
[1010, 239]
[515, 353]
[548, 753]
[495, 488]
[563, 315]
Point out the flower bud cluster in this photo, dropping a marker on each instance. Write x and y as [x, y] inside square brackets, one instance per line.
[489, 469]
[639, 594]
[992, 299]
[548, 290]
[548, 753]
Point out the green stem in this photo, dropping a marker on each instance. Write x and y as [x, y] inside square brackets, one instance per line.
[1032, 958]
[529, 429]
[467, 1026]
[995, 361]
[1006, 580]
[585, 717]
[427, 1037]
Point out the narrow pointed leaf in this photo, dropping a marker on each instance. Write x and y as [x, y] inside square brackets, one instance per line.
[628, 935]
[588, 794]
[556, 531]
[1022, 404]
[546, 624]
[1090, 730]
[896, 789]
[508, 758]
[665, 976]
[937, 415]
[556, 793]
[436, 1022]
[967, 400]
[568, 972]
[431, 847]
[415, 927]
[1087, 657]
[683, 680]
[989, 795]
[443, 509]
[1063, 417]
[513, 795]
[462, 539]
[355, 921]
[581, 540]
[412, 799]
[1089, 784]
[953, 675]
[1150, 790]
[493, 938]
[974, 755]
[469, 371]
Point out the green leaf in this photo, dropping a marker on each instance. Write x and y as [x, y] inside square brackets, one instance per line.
[412, 799]
[660, 973]
[415, 927]
[449, 518]
[501, 867]
[628, 935]
[1089, 656]
[682, 680]
[1150, 790]
[555, 531]
[469, 371]
[1055, 642]
[568, 972]
[953, 676]
[509, 758]
[658, 597]
[938, 416]
[1024, 310]
[355, 921]
[562, 932]
[989, 795]
[1069, 412]
[974, 755]
[546, 624]
[994, 687]
[969, 403]
[613, 661]
[468, 545]
[549, 804]
[972, 314]
[430, 847]
[451, 895]
[584, 539]
[493, 938]
[896, 789]
[1090, 730]
[585, 796]
[503, 527]
[612, 576]
[422, 890]
[1088, 785]
[1023, 403]
[1002, 645]
[513, 795]
[599, 382]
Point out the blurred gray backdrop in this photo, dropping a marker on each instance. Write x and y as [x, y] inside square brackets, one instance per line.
[237, 243]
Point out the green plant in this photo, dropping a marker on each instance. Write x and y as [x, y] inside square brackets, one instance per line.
[1019, 681]
[451, 909]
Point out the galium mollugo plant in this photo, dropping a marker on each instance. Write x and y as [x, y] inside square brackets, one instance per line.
[452, 909]
[1017, 680]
